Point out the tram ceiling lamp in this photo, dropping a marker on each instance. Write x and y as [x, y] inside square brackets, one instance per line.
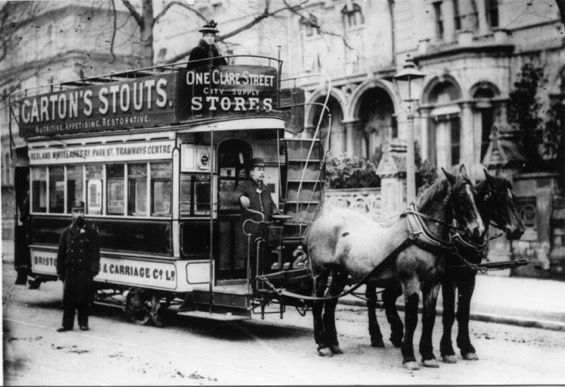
[409, 82]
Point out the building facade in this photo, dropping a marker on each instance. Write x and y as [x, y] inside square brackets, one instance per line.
[472, 52]
[48, 43]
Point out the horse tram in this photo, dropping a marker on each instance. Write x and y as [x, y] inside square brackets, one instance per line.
[156, 154]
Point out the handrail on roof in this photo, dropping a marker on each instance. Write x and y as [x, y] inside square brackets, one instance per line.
[144, 71]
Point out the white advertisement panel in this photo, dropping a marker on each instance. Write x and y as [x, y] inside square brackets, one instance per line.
[156, 150]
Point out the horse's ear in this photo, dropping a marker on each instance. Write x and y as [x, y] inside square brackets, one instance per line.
[463, 171]
[488, 176]
[449, 176]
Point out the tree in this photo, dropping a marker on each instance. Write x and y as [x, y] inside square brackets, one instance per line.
[12, 30]
[540, 129]
[270, 8]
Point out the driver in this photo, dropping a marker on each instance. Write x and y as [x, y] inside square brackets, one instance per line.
[253, 194]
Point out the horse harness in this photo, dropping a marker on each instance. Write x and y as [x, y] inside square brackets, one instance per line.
[420, 235]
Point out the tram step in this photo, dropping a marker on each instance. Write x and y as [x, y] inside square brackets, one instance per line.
[300, 148]
[308, 192]
[297, 172]
[214, 316]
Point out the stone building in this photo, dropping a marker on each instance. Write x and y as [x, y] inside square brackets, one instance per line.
[48, 43]
[472, 53]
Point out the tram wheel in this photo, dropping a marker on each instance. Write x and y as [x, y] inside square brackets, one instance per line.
[138, 307]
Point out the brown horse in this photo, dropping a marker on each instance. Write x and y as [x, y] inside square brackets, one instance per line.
[344, 243]
[495, 203]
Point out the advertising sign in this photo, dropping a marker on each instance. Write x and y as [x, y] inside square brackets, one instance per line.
[229, 89]
[150, 101]
[155, 150]
[137, 103]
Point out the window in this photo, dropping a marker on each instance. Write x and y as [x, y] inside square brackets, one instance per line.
[116, 189]
[75, 183]
[439, 20]
[94, 179]
[492, 12]
[39, 189]
[455, 141]
[465, 15]
[309, 25]
[457, 14]
[56, 190]
[137, 189]
[194, 194]
[352, 15]
[161, 188]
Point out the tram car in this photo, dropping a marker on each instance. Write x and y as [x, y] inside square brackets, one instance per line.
[156, 154]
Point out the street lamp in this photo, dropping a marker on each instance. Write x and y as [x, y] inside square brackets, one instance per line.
[409, 83]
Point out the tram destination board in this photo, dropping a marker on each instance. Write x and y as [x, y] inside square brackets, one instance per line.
[158, 100]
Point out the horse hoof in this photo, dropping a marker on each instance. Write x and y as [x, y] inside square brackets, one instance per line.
[450, 359]
[430, 363]
[325, 352]
[378, 343]
[411, 366]
[471, 356]
[335, 349]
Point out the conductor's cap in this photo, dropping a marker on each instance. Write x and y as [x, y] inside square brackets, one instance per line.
[77, 206]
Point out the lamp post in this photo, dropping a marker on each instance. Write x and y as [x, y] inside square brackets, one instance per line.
[409, 83]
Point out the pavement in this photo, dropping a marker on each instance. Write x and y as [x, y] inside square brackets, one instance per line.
[527, 302]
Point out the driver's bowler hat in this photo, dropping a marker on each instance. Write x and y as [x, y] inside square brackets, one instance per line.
[257, 162]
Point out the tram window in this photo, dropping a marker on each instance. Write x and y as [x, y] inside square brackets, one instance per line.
[194, 194]
[227, 195]
[185, 194]
[137, 189]
[56, 190]
[161, 188]
[94, 178]
[202, 195]
[116, 189]
[39, 189]
[74, 185]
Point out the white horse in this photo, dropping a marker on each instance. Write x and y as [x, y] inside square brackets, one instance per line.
[344, 243]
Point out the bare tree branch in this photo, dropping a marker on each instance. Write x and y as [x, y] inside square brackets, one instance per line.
[321, 30]
[180, 4]
[133, 12]
[266, 14]
[114, 30]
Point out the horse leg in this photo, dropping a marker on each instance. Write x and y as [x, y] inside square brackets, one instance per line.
[396, 326]
[446, 345]
[320, 283]
[463, 315]
[339, 279]
[411, 290]
[374, 329]
[429, 298]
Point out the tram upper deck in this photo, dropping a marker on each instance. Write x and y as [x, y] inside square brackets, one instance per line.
[161, 96]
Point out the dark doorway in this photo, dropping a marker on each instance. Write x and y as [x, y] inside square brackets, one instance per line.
[233, 156]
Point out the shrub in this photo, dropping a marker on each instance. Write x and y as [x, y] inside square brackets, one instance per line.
[344, 171]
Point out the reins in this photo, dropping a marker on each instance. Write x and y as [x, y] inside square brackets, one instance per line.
[412, 238]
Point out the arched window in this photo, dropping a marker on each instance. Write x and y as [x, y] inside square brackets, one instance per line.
[485, 112]
[352, 15]
[445, 134]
